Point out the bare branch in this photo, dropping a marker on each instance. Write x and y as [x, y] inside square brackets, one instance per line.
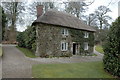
[90, 3]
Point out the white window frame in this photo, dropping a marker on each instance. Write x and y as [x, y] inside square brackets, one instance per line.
[64, 31]
[64, 46]
[86, 47]
[86, 35]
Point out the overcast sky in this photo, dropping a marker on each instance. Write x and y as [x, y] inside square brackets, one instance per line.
[113, 6]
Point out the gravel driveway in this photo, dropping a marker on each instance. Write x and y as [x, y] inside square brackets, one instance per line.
[14, 64]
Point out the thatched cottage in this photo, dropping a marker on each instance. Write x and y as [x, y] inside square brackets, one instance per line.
[62, 34]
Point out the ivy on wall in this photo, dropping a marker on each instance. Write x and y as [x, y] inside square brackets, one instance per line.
[78, 36]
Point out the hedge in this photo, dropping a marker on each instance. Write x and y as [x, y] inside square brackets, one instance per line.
[111, 49]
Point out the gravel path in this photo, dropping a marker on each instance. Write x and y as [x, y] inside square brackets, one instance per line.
[0, 64]
[73, 59]
[14, 64]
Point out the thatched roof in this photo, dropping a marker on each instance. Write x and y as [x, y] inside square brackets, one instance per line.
[62, 19]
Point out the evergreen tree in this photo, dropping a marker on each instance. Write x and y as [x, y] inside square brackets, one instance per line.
[3, 22]
[111, 58]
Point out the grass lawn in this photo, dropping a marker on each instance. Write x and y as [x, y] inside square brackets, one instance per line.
[99, 48]
[0, 50]
[27, 52]
[71, 70]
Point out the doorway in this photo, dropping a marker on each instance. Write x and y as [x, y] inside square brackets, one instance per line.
[75, 48]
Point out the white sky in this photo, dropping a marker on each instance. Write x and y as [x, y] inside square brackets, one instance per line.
[119, 9]
[113, 7]
[95, 5]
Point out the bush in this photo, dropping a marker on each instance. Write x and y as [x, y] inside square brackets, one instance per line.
[20, 39]
[44, 56]
[111, 49]
[27, 38]
[34, 47]
[30, 37]
[66, 55]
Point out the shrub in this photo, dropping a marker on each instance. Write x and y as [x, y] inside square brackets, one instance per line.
[44, 56]
[111, 49]
[66, 55]
[30, 37]
[20, 39]
[34, 47]
[27, 38]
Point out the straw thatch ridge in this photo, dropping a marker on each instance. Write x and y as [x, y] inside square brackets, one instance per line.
[62, 19]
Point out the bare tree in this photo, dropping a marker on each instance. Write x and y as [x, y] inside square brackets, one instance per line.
[47, 6]
[75, 8]
[12, 10]
[101, 15]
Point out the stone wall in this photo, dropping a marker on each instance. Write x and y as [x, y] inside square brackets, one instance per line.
[49, 39]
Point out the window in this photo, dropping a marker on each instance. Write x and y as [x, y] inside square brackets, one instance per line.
[64, 46]
[86, 35]
[64, 31]
[85, 46]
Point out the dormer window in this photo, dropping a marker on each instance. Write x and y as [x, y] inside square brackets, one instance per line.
[64, 31]
[86, 35]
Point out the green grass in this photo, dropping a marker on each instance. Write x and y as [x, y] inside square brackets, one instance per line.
[27, 52]
[0, 50]
[99, 49]
[71, 70]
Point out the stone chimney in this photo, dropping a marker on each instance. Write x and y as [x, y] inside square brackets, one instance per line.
[39, 10]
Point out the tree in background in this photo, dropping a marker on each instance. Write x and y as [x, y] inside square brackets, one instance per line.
[75, 8]
[12, 10]
[0, 24]
[20, 39]
[27, 39]
[46, 6]
[111, 48]
[103, 25]
[3, 22]
[99, 19]
[101, 14]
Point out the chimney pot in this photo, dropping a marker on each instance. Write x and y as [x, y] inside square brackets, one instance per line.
[39, 10]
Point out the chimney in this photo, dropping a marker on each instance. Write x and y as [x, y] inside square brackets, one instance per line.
[39, 10]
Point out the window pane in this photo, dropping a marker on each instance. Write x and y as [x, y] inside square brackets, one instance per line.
[85, 46]
[86, 34]
[64, 46]
[62, 31]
